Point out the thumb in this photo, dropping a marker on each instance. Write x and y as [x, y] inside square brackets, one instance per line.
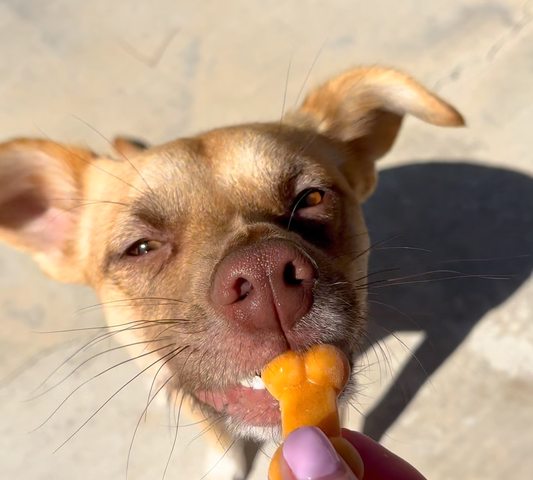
[308, 455]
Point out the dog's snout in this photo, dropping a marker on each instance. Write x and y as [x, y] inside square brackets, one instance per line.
[264, 287]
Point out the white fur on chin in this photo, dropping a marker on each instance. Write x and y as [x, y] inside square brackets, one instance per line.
[258, 434]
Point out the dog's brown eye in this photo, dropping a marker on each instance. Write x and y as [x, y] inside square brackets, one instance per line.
[142, 247]
[309, 198]
[313, 198]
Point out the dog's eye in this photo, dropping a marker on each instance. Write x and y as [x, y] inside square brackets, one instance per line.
[142, 247]
[311, 198]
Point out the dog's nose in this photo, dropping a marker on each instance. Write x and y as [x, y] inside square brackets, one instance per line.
[264, 287]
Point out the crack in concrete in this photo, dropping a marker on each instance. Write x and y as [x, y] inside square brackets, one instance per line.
[527, 16]
[153, 60]
[457, 71]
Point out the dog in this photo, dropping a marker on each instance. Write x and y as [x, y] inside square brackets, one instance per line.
[225, 249]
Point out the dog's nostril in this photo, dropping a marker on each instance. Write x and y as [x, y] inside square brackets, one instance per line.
[243, 288]
[290, 275]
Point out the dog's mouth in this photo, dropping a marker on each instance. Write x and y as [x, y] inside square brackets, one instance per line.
[248, 402]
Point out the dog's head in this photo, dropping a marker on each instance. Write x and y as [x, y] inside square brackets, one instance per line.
[216, 253]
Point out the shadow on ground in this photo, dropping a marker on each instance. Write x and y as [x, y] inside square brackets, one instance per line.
[476, 224]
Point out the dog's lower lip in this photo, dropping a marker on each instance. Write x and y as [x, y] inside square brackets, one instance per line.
[253, 407]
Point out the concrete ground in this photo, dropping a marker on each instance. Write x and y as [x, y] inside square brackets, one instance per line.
[464, 408]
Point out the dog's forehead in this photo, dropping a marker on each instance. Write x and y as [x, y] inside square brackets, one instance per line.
[242, 164]
[254, 154]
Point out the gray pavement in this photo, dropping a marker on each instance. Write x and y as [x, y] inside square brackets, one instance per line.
[462, 194]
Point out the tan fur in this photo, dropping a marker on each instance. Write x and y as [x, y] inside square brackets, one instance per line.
[203, 197]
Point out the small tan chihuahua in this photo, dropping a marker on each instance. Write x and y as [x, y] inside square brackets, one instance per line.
[227, 248]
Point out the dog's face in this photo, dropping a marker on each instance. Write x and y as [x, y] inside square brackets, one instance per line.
[214, 254]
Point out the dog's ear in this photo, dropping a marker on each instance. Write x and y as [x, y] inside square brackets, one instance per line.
[364, 109]
[128, 147]
[40, 188]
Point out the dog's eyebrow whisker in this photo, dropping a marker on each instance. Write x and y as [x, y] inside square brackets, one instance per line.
[119, 151]
[86, 361]
[311, 70]
[119, 390]
[285, 92]
[304, 148]
[92, 164]
[91, 379]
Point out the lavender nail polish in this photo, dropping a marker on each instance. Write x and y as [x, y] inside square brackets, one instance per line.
[310, 454]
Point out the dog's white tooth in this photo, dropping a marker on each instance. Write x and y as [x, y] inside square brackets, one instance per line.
[257, 383]
[246, 382]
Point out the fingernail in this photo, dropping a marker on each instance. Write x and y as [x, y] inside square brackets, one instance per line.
[310, 455]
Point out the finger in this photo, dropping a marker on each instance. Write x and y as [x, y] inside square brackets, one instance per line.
[379, 462]
[309, 455]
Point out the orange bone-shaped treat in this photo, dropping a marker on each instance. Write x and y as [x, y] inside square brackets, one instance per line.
[307, 386]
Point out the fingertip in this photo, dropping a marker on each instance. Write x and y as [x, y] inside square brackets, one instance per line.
[308, 454]
[380, 462]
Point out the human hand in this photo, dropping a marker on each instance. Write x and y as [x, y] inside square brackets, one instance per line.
[309, 455]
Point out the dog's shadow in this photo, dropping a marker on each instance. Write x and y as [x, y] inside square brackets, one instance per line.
[475, 226]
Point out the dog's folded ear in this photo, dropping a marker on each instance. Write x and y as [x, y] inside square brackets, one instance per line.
[128, 147]
[364, 108]
[40, 188]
